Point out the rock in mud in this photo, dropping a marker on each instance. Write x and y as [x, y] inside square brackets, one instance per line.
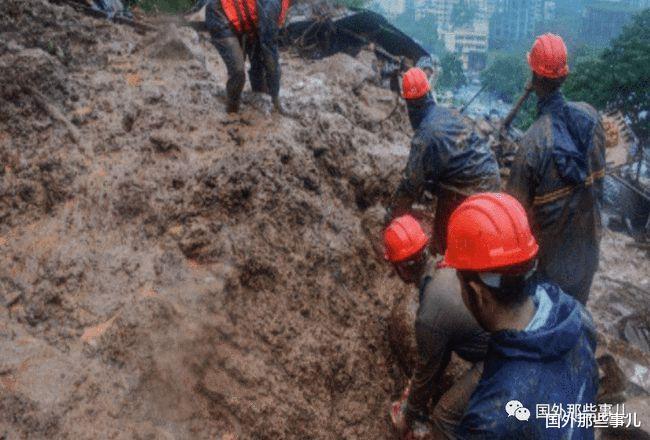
[165, 141]
[174, 44]
[231, 289]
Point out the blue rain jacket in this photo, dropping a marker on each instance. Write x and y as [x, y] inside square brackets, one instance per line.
[446, 152]
[449, 158]
[550, 362]
[558, 176]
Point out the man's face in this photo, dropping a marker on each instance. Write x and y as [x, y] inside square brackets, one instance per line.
[410, 271]
[432, 76]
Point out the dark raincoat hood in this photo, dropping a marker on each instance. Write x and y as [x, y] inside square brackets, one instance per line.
[555, 338]
[573, 140]
[419, 108]
[551, 362]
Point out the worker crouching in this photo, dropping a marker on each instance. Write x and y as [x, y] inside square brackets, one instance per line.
[541, 343]
[443, 326]
[447, 157]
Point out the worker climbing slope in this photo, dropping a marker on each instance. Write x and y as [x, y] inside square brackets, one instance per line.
[542, 341]
[447, 157]
[443, 325]
[558, 174]
[241, 28]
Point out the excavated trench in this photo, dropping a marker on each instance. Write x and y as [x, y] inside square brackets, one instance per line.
[171, 271]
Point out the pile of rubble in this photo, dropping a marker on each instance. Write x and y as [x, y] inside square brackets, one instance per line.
[171, 271]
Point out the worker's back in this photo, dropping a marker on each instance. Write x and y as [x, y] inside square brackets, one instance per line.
[558, 176]
[455, 155]
[551, 363]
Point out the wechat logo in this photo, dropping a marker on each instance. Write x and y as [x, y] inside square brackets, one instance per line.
[516, 409]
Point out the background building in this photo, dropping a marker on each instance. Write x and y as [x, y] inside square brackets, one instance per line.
[469, 44]
[513, 21]
[388, 8]
[464, 30]
[440, 9]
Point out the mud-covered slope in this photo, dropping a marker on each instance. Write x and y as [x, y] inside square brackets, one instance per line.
[169, 271]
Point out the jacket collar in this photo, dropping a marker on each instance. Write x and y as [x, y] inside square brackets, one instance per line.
[418, 109]
[552, 104]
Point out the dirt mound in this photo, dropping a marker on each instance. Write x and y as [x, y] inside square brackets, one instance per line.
[171, 271]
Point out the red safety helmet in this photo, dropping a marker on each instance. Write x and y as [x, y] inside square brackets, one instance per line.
[548, 56]
[415, 83]
[488, 232]
[403, 239]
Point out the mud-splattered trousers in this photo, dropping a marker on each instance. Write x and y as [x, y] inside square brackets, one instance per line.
[558, 176]
[444, 325]
[261, 48]
[448, 158]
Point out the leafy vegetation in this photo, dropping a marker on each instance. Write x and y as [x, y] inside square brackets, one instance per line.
[619, 78]
[423, 30]
[506, 76]
[451, 75]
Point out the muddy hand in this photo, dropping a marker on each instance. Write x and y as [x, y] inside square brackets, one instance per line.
[398, 419]
[398, 414]
[404, 430]
[420, 431]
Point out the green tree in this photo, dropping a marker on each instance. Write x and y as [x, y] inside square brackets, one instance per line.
[451, 75]
[506, 76]
[619, 78]
[425, 31]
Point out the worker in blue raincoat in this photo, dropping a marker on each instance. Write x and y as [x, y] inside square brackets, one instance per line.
[542, 341]
[558, 174]
[447, 157]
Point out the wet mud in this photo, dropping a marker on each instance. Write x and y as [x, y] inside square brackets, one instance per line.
[168, 270]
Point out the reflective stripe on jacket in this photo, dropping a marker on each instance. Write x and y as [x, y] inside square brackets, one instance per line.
[558, 176]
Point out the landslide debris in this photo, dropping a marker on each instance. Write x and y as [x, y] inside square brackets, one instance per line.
[171, 271]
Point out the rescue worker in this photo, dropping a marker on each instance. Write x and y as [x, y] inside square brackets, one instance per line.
[558, 174]
[542, 341]
[447, 157]
[430, 65]
[240, 28]
[443, 325]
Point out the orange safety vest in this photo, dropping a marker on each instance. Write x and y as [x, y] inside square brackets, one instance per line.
[243, 14]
